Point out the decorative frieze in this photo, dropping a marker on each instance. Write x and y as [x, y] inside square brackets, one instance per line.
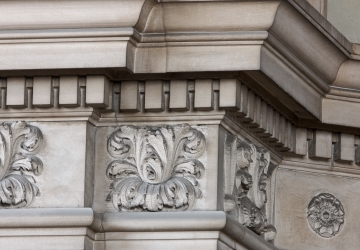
[247, 170]
[325, 215]
[156, 168]
[18, 164]
[231, 97]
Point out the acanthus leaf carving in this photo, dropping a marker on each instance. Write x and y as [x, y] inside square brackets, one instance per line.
[18, 164]
[156, 167]
[246, 197]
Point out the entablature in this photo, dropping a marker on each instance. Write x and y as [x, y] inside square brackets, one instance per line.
[286, 43]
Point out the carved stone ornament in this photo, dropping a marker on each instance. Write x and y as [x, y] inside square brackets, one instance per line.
[156, 168]
[249, 172]
[325, 215]
[18, 164]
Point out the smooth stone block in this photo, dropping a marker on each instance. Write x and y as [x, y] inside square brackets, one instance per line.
[154, 96]
[270, 120]
[97, 91]
[179, 97]
[205, 244]
[212, 58]
[203, 94]
[257, 111]
[320, 145]
[264, 115]
[45, 217]
[129, 96]
[243, 100]
[61, 183]
[300, 141]
[229, 94]
[42, 91]
[251, 105]
[16, 96]
[344, 148]
[282, 129]
[69, 91]
[43, 242]
[63, 55]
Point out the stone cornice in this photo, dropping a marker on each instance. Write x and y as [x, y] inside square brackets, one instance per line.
[300, 52]
[286, 41]
[68, 14]
[352, 50]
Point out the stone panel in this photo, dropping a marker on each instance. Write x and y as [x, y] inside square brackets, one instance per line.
[61, 183]
[110, 162]
[294, 192]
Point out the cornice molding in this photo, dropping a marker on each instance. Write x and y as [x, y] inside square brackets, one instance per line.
[300, 52]
[284, 40]
[352, 50]
[35, 15]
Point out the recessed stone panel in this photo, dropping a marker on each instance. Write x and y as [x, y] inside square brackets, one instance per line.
[112, 170]
[337, 194]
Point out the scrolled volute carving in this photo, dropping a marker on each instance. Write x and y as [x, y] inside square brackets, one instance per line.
[156, 167]
[19, 142]
[247, 196]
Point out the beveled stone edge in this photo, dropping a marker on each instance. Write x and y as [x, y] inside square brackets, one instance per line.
[179, 221]
[352, 49]
[35, 16]
[46, 217]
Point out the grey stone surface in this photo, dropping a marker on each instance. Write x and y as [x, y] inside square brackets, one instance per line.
[69, 91]
[44, 228]
[344, 15]
[234, 122]
[42, 91]
[63, 152]
[295, 189]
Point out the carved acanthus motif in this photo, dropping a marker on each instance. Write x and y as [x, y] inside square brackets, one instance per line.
[325, 215]
[156, 168]
[246, 196]
[19, 142]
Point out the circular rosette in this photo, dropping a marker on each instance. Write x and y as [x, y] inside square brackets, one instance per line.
[133, 193]
[325, 215]
[16, 191]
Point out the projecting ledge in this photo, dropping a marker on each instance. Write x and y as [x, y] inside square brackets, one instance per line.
[45, 217]
[167, 222]
[44, 228]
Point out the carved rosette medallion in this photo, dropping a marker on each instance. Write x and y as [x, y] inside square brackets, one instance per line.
[249, 169]
[156, 167]
[18, 164]
[325, 215]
